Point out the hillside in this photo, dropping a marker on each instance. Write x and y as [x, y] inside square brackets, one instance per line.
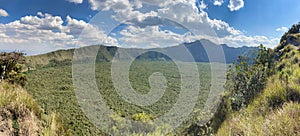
[276, 109]
[45, 59]
[106, 53]
[20, 114]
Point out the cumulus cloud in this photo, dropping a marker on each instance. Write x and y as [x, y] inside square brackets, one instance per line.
[116, 5]
[182, 11]
[200, 23]
[166, 3]
[88, 34]
[124, 9]
[223, 28]
[151, 36]
[242, 40]
[282, 29]
[33, 29]
[146, 27]
[3, 13]
[202, 5]
[75, 1]
[218, 2]
[46, 29]
[235, 5]
[47, 22]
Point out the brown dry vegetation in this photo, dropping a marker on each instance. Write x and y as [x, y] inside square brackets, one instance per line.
[21, 115]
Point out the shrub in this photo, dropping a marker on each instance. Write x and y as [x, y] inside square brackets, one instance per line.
[245, 81]
[11, 67]
[27, 117]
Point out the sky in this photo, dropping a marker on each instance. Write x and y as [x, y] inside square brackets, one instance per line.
[40, 26]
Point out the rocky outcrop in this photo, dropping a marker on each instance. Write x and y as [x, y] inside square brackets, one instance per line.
[289, 39]
[293, 40]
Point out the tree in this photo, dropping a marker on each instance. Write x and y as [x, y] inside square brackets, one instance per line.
[246, 80]
[294, 29]
[265, 57]
[11, 67]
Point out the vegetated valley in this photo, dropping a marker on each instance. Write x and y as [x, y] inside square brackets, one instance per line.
[261, 93]
[57, 92]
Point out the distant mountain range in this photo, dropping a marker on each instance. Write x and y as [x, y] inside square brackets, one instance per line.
[198, 49]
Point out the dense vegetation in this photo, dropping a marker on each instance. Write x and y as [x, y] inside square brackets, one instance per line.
[275, 111]
[20, 114]
[11, 65]
[245, 80]
[56, 93]
[273, 105]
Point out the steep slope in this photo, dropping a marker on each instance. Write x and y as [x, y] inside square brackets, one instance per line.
[291, 37]
[21, 115]
[45, 59]
[276, 110]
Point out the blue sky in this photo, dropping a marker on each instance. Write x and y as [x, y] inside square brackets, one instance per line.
[259, 17]
[40, 26]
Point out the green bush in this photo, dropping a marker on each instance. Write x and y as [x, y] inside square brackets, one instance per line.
[11, 68]
[245, 81]
[275, 111]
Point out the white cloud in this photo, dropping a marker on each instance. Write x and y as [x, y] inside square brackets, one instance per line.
[47, 22]
[116, 5]
[242, 40]
[138, 4]
[40, 14]
[151, 36]
[223, 28]
[88, 34]
[282, 29]
[3, 13]
[48, 30]
[198, 22]
[75, 1]
[165, 3]
[235, 5]
[124, 9]
[202, 5]
[145, 31]
[218, 2]
[147, 34]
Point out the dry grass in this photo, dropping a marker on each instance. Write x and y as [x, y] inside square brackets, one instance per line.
[20, 114]
[277, 110]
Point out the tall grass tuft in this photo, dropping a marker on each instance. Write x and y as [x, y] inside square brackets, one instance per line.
[22, 115]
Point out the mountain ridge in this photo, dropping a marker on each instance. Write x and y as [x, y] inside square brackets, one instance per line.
[106, 53]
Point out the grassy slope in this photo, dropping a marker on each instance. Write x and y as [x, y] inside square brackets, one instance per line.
[44, 59]
[276, 110]
[20, 114]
